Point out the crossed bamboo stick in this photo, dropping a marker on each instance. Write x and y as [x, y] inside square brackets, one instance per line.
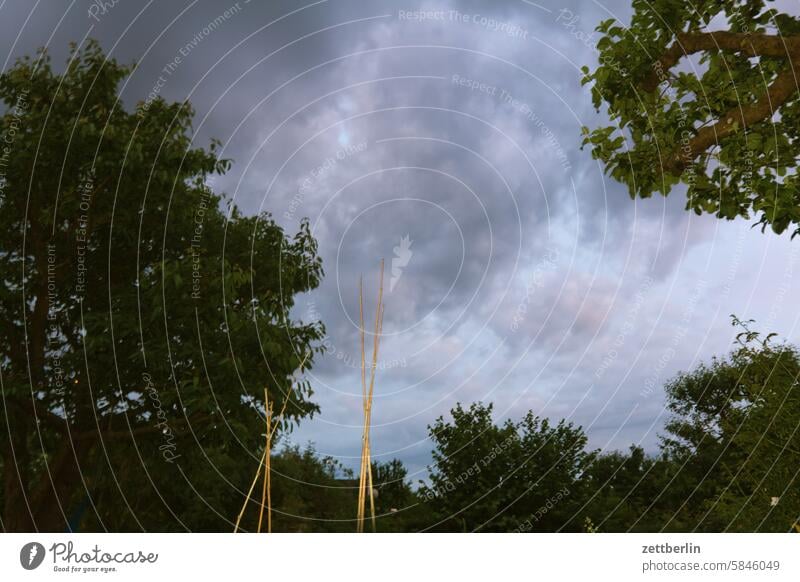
[265, 463]
[365, 477]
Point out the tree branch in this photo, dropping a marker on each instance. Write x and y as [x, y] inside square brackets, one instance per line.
[28, 406]
[153, 428]
[782, 88]
[751, 45]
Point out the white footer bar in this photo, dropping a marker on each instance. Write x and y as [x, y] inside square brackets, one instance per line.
[389, 557]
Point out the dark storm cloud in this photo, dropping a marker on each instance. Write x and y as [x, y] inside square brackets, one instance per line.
[528, 279]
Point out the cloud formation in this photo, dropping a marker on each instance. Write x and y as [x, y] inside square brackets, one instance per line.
[533, 281]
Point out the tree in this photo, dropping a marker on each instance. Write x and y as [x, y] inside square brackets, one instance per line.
[704, 93]
[395, 501]
[617, 488]
[515, 476]
[318, 494]
[308, 493]
[141, 319]
[734, 439]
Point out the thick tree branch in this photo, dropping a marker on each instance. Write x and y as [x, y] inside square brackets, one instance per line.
[151, 428]
[751, 45]
[782, 88]
[28, 407]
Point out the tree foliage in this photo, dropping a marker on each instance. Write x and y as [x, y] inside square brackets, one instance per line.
[729, 460]
[142, 313]
[705, 94]
[735, 439]
[487, 477]
[313, 493]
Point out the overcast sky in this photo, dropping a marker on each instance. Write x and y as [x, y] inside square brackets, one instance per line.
[516, 272]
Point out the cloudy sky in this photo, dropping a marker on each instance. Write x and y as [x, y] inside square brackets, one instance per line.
[448, 145]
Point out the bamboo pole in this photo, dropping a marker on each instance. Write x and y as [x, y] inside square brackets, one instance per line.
[365, 476]
[360, 510]
[249, 493]
[268, 471]
[378, 330]
[267, 455]
[271, 430]
[266, 462]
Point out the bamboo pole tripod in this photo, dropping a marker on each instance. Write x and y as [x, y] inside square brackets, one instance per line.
[365, 476]
[265, 462]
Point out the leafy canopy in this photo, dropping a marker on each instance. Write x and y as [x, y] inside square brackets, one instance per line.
[143, 314]
[734, 436]
[703, 93]
[514, 476]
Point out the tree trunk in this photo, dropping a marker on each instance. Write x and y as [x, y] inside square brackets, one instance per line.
[16, 465]
[54, 495]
